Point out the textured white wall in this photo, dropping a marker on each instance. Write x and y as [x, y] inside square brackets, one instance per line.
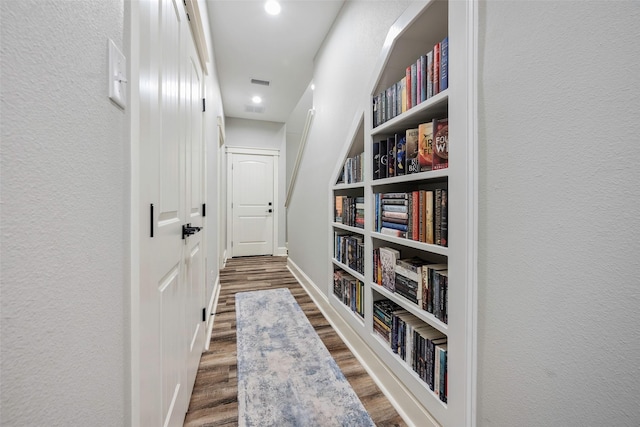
[341, 76]
[266, 135]
[65, 223]
[559, 233]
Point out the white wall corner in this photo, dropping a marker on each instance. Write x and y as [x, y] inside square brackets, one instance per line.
[400, 397]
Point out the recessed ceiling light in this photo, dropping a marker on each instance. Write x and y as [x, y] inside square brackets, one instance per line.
[313, 86]
[256, 99]
[272, 7]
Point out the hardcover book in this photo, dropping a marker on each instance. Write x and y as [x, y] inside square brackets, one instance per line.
[391, 155]
[411, 151]
[436, 69]
[425, 146]
[388, 257]
[384, 170]
[400, 154]
[444, 64]
[430, 74]
[376, 160]
[440, 158]
[338, 209]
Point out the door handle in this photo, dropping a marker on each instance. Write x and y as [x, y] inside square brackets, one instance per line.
[188, 230]
[270, 210]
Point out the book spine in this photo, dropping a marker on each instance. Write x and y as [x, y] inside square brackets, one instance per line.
[423, 80]
[414, 85]
[415, 209]
[444, 64]
[436, 69]
[430, 74]
[438, 216]
[408, 84]
[418, 82]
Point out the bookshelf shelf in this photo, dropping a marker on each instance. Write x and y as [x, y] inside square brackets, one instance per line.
[423, 26]
[402, 241]
[410, 307]
[436, 105]
[356, 230]
[436, 175]
[355, 185]
[349, 270]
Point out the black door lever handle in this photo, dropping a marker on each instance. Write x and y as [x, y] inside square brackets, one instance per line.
[188, 230]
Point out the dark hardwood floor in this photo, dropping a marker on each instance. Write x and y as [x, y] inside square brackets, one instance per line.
[214, 400]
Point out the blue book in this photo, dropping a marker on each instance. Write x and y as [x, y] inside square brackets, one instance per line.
[401, 227]
[444, 64]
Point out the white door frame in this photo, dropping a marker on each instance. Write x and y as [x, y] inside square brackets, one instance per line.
[258, 152]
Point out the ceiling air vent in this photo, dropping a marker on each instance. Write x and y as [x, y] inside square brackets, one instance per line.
[253, 109]
[260, 82]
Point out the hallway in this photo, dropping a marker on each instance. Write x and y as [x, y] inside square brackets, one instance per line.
[214, 398]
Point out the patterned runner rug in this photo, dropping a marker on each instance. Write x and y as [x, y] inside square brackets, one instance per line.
[286, 376]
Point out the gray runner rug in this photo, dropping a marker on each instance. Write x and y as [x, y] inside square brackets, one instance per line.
[286, 376]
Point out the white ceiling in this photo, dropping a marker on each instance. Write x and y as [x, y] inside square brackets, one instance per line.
[250, 44]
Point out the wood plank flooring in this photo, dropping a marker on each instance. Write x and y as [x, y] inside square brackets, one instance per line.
[214, 401]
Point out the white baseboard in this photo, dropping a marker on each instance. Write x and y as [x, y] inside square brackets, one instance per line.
[412, 412]
[213, 303]
[281, 252]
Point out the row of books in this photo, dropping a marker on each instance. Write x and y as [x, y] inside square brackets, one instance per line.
[415, 150]
[423, 283]
[349, 290]
[424, 78]
[420, 215]
[352, 170]
[349, 250]
[420, 345]
[349, 211]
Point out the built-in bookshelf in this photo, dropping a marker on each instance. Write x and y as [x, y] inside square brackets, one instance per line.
[415, 252]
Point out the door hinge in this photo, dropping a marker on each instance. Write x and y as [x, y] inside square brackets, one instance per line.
[204, 209]
[204, 314]
[204, 105]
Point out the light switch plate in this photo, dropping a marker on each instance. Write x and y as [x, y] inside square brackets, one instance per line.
[117, 75]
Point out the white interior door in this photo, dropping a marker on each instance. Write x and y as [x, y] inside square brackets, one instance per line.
[252, 204]
[171, 189]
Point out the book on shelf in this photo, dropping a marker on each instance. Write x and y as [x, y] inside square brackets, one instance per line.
[429, 217]
[440, 158]
[376, 160]
[444, 217]
[425, 146]
[423, 78]
[338, 208]
[349, 290]
[384, 153]
[400, 155]
[429, 272]
[411, 151]
[444, 64]
[430, 74]
[414, 85]
[436, 69]
[391, 155]
[388, 257]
